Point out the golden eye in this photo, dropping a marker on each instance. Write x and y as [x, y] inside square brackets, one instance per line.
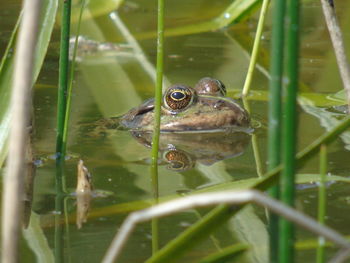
[178, 97]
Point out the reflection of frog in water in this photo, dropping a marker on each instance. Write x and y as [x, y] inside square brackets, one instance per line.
[185, 109]
[182, 150]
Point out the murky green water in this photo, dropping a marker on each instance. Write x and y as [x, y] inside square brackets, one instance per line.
[110, 83]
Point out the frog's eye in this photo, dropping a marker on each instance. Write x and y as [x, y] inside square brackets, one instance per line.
[178, 97]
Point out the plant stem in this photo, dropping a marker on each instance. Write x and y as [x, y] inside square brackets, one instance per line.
[255, 145]
[12, 203]
[63, 76]
[286, 249]
[226, 254]
[59, 208]
[255, 51]
[70, 87]
[158, 92]
[155, 221]
[157, 108]
[322, 203]
[274, 110]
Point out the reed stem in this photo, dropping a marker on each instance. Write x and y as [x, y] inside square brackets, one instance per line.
[70, 86]
[256, 45]
[286, 250]
[63, 76]
[59, 209]
[274, 111]
[255, 144]
[157, 107]
[322, 203]
[159, 80]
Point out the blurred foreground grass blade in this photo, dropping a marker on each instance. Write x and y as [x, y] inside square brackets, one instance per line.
[20, 108]
[47, 20]
[201, 229]
[235, 12]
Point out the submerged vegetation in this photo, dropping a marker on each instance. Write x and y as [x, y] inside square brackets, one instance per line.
[121, 58]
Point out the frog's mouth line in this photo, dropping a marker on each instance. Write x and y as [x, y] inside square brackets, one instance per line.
[144, 111]
[238, 129]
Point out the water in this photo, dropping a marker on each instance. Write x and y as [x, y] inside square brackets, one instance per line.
[109, 84]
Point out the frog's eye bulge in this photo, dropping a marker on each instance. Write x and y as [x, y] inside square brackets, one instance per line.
[210, 86]
[178, 97]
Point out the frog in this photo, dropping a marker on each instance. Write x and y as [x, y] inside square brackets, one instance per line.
[204, 108]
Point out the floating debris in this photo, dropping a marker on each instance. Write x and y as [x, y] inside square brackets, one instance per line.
[84, 193]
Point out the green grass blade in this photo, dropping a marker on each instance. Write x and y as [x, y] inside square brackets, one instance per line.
[225, 254]
[48, 14]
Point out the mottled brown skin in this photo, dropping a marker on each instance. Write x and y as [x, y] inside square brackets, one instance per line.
[185, 109]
